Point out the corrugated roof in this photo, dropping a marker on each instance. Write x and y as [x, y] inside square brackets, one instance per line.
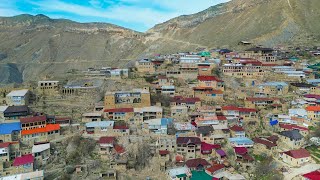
[7, 128]
[298, 153]
[22, 92]
[33, 119]
[48, 128]
[26, 159]
[100, 124]
[40, 148]
[313, 108]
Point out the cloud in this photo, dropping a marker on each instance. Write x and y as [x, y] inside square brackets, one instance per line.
[8, 8]
[141, 14]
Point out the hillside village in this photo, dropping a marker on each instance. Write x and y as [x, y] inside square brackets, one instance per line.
[203, 115]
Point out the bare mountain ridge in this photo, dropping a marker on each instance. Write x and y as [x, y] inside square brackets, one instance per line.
[39, 47]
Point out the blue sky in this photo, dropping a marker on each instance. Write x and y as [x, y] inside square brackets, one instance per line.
[139, 15]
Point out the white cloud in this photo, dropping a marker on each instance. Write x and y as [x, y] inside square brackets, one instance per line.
[144, 12]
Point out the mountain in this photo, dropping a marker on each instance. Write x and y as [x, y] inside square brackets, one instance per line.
[266, 22]
[37, 47]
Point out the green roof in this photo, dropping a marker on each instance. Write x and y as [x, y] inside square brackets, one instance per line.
[181, 175]
[205, 54]
[200, 175]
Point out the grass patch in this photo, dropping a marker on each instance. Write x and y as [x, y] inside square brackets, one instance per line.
[259, 157]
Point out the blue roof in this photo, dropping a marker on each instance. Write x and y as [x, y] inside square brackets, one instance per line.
[274, 84]
[166, 121]
[241, 140]
[7, 128]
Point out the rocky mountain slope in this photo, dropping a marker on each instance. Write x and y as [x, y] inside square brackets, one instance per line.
[36, 47]
[266, 22]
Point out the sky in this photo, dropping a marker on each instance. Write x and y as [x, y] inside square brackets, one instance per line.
[139, 15]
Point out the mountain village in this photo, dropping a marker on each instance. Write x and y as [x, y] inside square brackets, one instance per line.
[204, 115]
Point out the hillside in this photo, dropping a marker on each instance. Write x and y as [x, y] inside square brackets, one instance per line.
[37, 47]
[266, 22]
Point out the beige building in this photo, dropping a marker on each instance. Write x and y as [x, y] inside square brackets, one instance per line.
[147, 113]
[137, 98]
[272, 89]
[91, 117]
[189, 147]
[243, 71]
[48, 87]
[296, 157]
[145, 66]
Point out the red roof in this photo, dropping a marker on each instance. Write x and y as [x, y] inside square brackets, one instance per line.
[193, 163]
[119, 110]
[119, 149]
[48, 128]
[314, 175]
[120, 127]
[253, 62]
[164, 152]
[240, 109]
[293, 126]
[215, 168]
[33, 119]
[221, 118]
[247, 157]
[241, 150]
[208, 147]
[236, 128]
[107, 140]
[4, 145]
[298, 153]
[26, 159]
[179, 158]
[209, 78]
[264, 142]
[180, 99]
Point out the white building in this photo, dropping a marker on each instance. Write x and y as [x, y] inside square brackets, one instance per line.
[18, 97]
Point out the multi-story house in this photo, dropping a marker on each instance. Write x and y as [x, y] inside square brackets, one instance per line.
[166, 90]
[272, 89]
[18, 97]
[189, 147]
[136, 98]
[15, 112]
[145, 66]
[239, 112]
[40, 134]
[41, 153]
[211, 120]
[10, 132]
[243, 71]
[146, 113]
[5, 152]
[265, 55]
[313, 113]
[22, 164]
[260, 102]
[210, 81]
[208, 94]
[237, 131]
[190, 103]
[158, 126]
[33, 122]
[91, 117]
[119, 114]
[292, 139]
